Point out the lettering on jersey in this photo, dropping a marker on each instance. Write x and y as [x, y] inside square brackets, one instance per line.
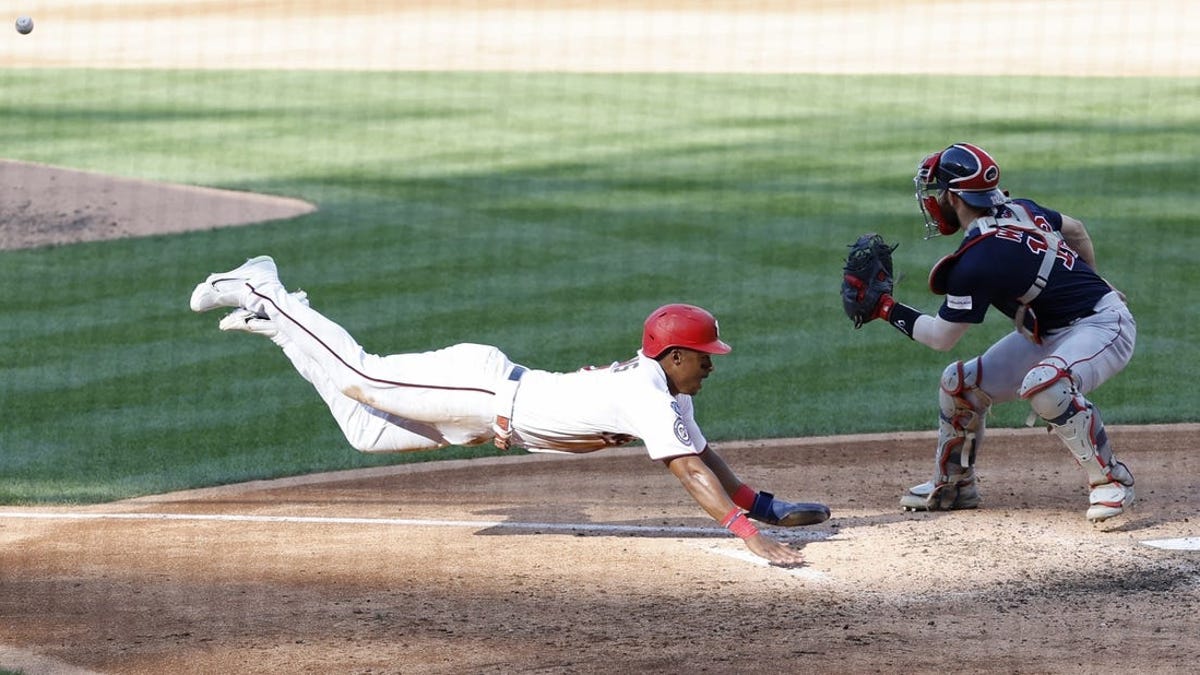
[1063, 252]
[1009, 234]
[681, 432]
[958, 301]
[1037, 245]
[1067, 256]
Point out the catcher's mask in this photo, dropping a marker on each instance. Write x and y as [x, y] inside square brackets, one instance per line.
[964, 169]
[681, 325]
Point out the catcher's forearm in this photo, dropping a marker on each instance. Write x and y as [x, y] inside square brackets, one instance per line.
[930, 330]
[900, 315]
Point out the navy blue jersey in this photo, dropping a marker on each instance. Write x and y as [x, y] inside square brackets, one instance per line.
[998, 262]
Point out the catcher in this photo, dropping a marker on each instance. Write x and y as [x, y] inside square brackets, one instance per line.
[1071, 330]
[469, 394]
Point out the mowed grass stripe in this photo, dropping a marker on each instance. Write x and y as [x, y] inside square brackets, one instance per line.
[547, 214]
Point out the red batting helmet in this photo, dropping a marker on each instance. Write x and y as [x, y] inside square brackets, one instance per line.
[681, 325]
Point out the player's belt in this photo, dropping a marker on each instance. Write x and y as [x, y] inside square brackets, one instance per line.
[506, 396]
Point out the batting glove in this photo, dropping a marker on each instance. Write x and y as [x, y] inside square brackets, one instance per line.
[773, 511]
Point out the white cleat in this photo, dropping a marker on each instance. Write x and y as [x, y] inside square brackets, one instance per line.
[245, 321]
[1109, 500]
[225, 289]
[248, 322]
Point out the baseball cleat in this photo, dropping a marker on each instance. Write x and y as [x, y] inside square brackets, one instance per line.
[1109, 500]
[929, 496]
[225, 289]
[245, 321]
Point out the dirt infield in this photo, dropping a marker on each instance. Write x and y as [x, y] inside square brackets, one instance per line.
[602, 564]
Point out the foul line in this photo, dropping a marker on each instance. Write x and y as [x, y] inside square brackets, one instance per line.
[405, 522]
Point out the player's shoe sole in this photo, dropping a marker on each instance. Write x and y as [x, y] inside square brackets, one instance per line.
[224, 289]
[244, 321]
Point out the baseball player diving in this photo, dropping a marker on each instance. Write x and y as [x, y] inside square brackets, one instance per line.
[469, 394]
[1072, 330]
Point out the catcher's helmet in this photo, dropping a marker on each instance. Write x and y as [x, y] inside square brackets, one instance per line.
[681, 325]
[964, 169]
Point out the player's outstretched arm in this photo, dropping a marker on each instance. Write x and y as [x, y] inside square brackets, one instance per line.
[705, 487]
[867, 286]
[762, 506]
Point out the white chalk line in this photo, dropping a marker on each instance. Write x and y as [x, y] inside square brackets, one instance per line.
[596, 528]
[1177, 544]
[743, 555]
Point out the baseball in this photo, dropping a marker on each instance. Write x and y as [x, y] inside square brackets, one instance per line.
[24, 25]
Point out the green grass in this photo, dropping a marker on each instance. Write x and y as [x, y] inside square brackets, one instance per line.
[547, 214]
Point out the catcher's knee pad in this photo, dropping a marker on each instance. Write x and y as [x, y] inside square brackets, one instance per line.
[1049, 388]
[962, 420]
[1053, 395]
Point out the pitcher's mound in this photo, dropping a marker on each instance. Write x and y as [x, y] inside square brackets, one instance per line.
[44, 205]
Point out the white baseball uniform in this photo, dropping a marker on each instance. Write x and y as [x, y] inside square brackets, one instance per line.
[453, 396]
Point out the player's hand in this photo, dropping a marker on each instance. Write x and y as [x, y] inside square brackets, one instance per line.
[773, 551]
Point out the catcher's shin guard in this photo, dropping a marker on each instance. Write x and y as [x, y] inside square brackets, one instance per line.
[1051, 392]
[961, 426]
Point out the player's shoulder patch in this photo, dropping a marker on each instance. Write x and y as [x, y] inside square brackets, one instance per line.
[681, 432]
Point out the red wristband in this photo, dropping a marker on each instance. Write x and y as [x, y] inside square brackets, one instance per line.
[744, 497]
[736, 522]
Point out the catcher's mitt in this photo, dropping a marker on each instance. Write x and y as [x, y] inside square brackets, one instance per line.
[866, 278]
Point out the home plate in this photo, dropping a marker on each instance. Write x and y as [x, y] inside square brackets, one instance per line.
[746, 556]
[1180, 544]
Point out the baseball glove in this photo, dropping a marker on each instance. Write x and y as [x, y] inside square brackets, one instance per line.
[866, 278]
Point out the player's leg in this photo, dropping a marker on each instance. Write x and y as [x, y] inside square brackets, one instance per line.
[450, 388]
[366, 428]
[967, 392]
[1082, 358]
[963, 408]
